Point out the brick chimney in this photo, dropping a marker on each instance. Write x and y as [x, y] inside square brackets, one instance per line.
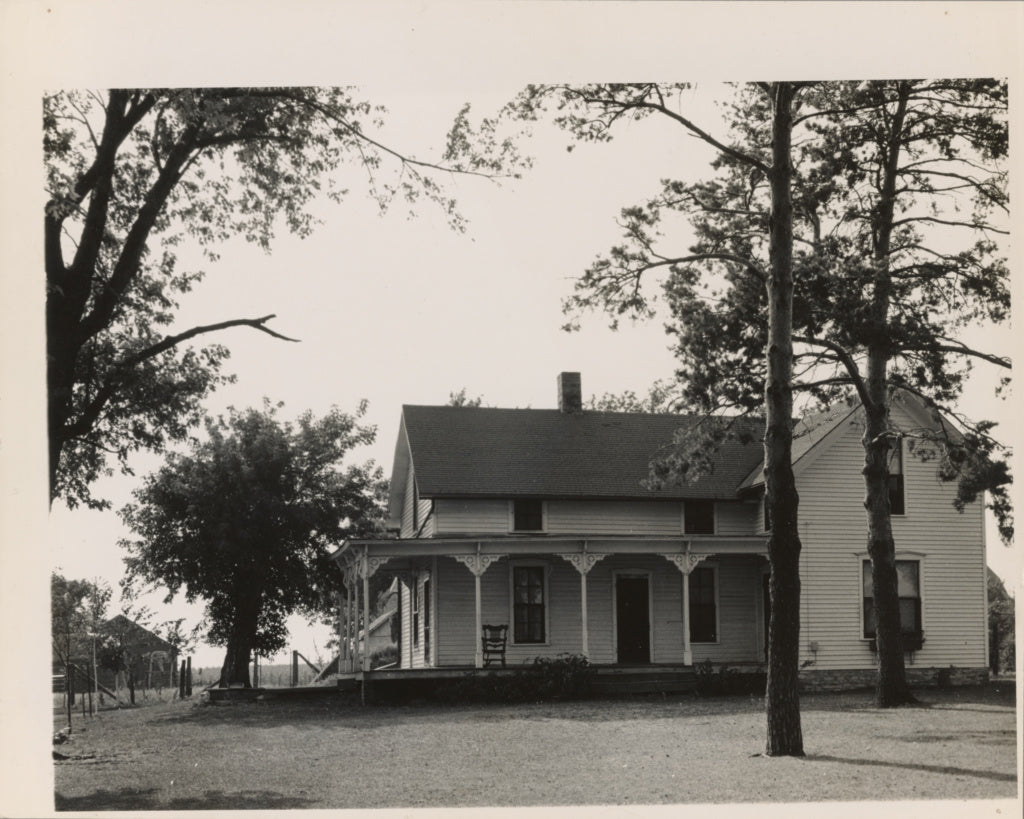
[570, 393]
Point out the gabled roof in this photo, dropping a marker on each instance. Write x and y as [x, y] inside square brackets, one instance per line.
[503, 453]
[808, 433]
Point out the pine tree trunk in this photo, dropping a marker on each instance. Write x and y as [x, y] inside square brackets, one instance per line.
[782, 700]
[892, 688]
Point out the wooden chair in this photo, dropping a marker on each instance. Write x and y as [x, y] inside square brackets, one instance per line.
[494, 639]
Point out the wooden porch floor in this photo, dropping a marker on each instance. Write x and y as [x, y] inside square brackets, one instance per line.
[608, 679]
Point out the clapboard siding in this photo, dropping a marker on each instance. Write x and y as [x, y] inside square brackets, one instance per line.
[563, 517]
[737, 518]
[460, 517]
[423, 519]
[412, 652]
[613, 517]
[739, 603]
[949, 545]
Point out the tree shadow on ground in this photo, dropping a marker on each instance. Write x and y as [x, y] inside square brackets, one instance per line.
[947, 770]
[150, 799]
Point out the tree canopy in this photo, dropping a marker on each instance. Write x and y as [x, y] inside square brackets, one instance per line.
[246, 519]
[134, 175]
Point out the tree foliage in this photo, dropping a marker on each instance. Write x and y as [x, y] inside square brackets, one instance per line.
[132, 176]
[246, 519]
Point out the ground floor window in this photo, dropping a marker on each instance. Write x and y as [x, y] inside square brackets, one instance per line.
[908, 581]
[703, 609]
[528, 604]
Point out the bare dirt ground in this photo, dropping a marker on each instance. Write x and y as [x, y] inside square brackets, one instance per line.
[958, 744]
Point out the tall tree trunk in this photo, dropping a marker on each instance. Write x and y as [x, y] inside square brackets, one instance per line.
[782, 700]
[235, 670]
[892, 688]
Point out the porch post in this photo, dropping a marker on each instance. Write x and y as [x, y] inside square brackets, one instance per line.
[478, 564]
[478, 656]
[687, 650]
[583, 562]
[341, 632]
[365, 655]
[686, 562]
[350, 649]
[355, 624]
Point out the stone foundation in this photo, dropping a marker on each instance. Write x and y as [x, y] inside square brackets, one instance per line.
[852, 679]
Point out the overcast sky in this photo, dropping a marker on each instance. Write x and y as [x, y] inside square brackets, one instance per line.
[399, 310]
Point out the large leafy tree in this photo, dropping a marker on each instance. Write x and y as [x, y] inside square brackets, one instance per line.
[246, 519]
[134, 174]
[899, 197]
[596, 113]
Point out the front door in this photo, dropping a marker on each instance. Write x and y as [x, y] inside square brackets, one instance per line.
[632, 618]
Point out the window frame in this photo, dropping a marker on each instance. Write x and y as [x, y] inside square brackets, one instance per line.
[713, 568]
[714, 516]
[545, 572]
[512, 515]
[906, 557]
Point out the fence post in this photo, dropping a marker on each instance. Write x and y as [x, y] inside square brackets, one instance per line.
[295, 668]
[188, 677]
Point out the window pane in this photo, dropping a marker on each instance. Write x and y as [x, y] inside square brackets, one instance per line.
[867, 579]
[896, 459]
[907, 572]
[527, 515]
[702, 606]
[699, 517]
[869, 617]
[528, 597]
[908, 614]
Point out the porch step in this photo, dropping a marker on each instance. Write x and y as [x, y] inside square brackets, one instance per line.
[646, 682]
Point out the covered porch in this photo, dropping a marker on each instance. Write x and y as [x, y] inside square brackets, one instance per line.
[627, 603]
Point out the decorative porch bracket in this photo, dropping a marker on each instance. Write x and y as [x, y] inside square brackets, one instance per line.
[583, 562]
[686, 562]
[478, 564]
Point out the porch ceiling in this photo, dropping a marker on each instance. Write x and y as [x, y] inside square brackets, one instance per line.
[527, 545]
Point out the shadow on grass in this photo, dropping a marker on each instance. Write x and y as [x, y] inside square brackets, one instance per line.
[947, 770]
[149, 799]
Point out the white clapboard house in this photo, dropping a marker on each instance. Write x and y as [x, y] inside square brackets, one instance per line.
[539, 520]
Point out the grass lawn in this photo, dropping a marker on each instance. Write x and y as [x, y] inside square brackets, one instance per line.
[958, 744]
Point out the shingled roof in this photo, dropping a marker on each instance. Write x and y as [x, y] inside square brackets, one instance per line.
[487, 452]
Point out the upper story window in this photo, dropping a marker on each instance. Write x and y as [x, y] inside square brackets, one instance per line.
[527, 516]
[897, 505]
[699, 517]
